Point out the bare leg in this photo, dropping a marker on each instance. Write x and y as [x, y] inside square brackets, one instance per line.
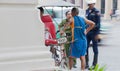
[70, 63]
[82, 58]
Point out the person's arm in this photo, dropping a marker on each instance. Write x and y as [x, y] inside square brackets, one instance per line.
[61, 25]
[72, 28]
[91, 25]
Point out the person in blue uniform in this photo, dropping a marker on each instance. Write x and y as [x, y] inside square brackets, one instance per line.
[93, 14]
[79, 42]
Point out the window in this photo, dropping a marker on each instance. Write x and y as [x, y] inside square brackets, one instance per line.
[81, 4]
[114, 6]
[102, 6]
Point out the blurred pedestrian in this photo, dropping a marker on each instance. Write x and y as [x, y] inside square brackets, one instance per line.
[94, 15]
[111, 14]
[79, 42]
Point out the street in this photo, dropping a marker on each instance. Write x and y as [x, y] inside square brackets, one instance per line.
[109, 54]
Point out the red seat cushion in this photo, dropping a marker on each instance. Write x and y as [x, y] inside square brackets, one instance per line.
[47, 20]
[50, 42]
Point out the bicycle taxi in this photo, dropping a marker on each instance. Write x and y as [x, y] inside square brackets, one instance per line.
[56, 9]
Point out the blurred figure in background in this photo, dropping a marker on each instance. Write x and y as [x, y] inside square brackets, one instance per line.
[111, 14]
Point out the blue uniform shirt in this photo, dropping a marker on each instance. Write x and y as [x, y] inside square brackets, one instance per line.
[94, 15]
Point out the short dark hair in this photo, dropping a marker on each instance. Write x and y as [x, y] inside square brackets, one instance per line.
[67, 13]
[41, 9]
[75, 11]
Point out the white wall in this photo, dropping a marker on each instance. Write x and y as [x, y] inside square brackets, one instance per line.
[118, 4]
[19, 24]
[19, 1]
[22, 37]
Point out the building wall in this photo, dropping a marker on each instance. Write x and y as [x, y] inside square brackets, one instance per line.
[98, 4]
[118, 4]
[22, 37]
[108, 6]
[20, 25]
[77, 2]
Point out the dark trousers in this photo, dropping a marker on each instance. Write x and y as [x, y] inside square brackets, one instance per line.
[92, 37]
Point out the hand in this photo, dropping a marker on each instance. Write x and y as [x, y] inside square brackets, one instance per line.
[97, 37]
[72, 41]
[61, 32]
[85, 32]
[67, 24]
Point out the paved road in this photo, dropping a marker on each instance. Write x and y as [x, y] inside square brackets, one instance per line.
[109, 54]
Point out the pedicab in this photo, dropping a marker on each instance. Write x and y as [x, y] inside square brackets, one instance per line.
[56, 9]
